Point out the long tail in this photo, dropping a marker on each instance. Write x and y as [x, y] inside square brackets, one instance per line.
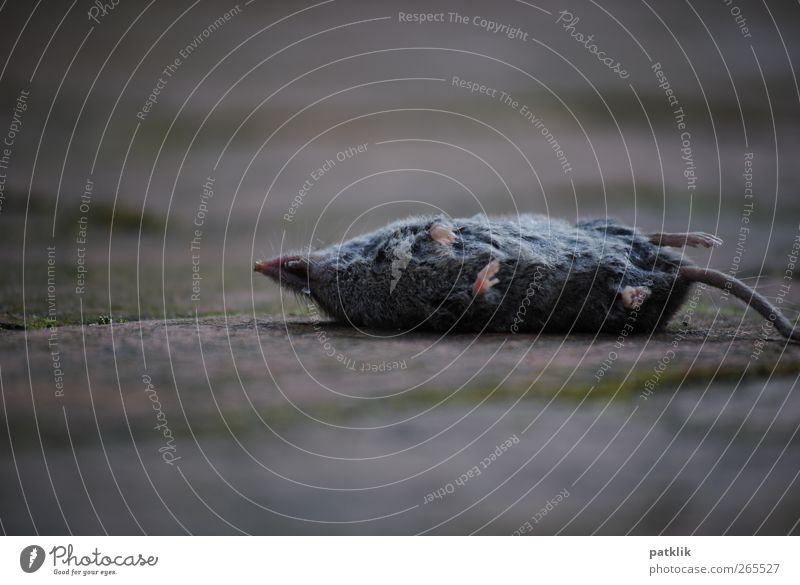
[740, 290]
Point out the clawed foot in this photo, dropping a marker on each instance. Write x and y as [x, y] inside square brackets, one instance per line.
[634, 296]
[694, 239]
[697, 239]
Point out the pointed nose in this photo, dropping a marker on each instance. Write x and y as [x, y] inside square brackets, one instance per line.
[267, 267]
[284, 268]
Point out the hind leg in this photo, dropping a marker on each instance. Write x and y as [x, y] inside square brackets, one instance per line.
[634, 296]
[694, 239]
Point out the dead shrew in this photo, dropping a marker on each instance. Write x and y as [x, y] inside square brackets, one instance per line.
[530, 273]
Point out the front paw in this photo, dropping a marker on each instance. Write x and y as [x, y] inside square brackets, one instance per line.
[634, 296]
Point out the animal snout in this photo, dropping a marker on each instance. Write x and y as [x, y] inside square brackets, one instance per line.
[293, 269]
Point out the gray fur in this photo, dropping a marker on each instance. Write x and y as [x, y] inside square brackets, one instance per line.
[553, 276]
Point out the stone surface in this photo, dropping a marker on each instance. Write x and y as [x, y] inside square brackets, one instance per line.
[307, 426]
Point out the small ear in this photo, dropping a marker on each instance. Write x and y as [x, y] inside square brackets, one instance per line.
[443, 234]
[484, 281]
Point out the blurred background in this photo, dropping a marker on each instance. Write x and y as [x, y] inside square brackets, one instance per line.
[153, 151]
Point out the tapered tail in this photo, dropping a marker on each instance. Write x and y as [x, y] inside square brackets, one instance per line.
[740, 290]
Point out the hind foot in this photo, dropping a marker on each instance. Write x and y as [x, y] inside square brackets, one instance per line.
[694, 239]
[634, 296]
